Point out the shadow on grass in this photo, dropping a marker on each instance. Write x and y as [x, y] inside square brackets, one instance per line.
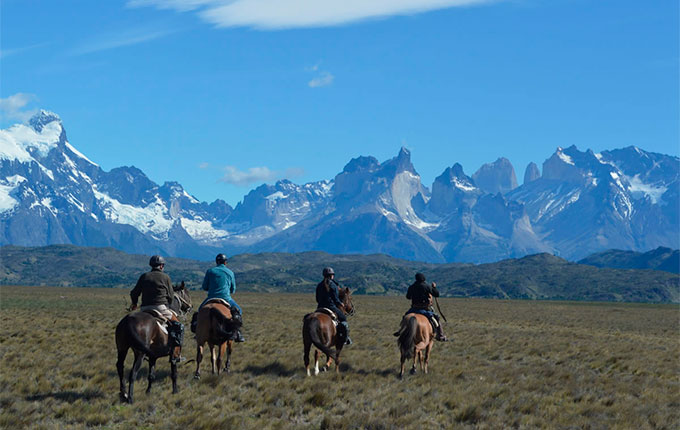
[275, 368]
[67, 396]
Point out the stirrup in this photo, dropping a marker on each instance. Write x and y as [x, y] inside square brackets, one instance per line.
[239, 337]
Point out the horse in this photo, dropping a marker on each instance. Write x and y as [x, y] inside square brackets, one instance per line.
[217, 327]
[416, 339]
[318, 330]
[141, 332]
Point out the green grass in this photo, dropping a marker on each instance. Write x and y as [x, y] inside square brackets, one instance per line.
[512, 364]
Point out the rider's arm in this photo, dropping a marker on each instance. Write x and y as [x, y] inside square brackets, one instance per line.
[206, 283]
[334, 296]
[232, 285]
[433, 290]
[136, 291]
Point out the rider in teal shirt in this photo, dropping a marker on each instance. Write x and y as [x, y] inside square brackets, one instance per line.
[220, 283]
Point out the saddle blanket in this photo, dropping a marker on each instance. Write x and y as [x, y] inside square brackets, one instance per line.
[218, 300]
[162, 326]
[330, 313]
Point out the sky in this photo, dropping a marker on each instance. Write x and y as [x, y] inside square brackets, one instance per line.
[224, 95]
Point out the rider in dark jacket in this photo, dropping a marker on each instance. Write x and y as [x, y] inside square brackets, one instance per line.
[420, 293]
[156, 290]
[327, 297]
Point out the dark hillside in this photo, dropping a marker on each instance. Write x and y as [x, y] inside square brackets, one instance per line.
[539, 276]
[661, 258]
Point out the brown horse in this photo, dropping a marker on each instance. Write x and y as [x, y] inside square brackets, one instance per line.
[141, 332]
[217, 327]
[416, 339]
[318, 330]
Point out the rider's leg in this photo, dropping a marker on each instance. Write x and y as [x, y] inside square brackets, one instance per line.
[440, 331]
[236, 316]
[345, 326]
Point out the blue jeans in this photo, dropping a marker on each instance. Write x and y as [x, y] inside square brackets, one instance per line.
[429, 314]
[231, 302]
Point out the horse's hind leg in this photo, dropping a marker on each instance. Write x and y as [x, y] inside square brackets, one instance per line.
[305, 354]
[227, 364]
[173, 375]
[199, 358]
[221, 353]
[317, 354]
[415, 359]
[403, 366]
[139, 358]
[120, 366]
[152, 373]
[427, 356]
[213, 357]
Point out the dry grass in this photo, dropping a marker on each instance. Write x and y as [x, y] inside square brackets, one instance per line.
[512, 364]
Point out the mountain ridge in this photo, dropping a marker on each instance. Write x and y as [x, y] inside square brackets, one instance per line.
[583, 202]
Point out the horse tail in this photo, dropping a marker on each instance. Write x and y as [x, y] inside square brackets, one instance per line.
[223, 327]
[128, 337]
[407, 336]
[312, 328]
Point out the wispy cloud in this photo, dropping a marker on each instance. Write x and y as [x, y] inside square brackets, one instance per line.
[119, 39]
[232, 175]
[324, 78]
[277, 14]
[14, 107]
[4, 53]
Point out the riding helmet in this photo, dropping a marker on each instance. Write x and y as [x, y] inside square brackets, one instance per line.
[221, 258]
[156, 260]
[420, 277]
[328, 271]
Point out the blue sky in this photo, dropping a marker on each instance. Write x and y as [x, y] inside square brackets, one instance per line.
[224, 95]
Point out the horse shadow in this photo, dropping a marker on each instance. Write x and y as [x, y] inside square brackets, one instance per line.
[275, 368]
[67, 396]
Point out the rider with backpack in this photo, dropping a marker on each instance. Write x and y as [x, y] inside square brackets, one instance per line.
[421, 293]
[327, 297]
[220, 283]
[155, 287]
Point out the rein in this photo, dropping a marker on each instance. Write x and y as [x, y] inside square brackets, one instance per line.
[182, 301]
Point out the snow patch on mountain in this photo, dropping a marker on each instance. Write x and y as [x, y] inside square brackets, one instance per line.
[149, 219]
[7, 187]
[640, 189]
[202, 230]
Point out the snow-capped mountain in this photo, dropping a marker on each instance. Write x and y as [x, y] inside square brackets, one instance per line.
[582, 203]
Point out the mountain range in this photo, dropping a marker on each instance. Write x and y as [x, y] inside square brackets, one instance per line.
[581, 203]
[538, 276]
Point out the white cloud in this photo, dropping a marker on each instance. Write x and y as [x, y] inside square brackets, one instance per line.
[119, 39]
[14, 107]
[4, 53]
[325, 78]
[277, 14]
[204, 166]
[232, 175]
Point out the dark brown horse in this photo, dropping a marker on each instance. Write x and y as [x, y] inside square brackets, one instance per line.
[416, 339]
[217, 327]
[318, 330]
[141, 332]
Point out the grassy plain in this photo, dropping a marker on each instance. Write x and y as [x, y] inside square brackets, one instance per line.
[512, 364]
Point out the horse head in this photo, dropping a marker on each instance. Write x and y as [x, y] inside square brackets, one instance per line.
[345, 296]
[182, 297]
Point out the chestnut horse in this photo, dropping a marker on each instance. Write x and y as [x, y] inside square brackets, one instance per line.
[318, 330]
[217, 327]
[141, 332]
[416, 338]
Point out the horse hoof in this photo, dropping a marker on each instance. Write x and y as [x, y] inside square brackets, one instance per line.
[123, 398]
[197, 376]
[412, 371]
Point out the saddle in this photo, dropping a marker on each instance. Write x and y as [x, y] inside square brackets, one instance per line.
[218, 300]
[330, 313]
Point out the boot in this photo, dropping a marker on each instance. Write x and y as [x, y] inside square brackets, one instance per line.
[345, 326]
[440, 331]
[194, 322]
[238, 319]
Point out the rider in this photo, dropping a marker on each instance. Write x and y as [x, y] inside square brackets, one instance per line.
[327, 297]
[420, 293]
[156, 290]
[220, 283]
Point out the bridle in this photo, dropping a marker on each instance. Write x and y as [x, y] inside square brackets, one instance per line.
[183, 301]
[349, 299]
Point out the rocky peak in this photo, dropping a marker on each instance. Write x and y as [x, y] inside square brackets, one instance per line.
[42, 118]
[496, 177]
[531, 173]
